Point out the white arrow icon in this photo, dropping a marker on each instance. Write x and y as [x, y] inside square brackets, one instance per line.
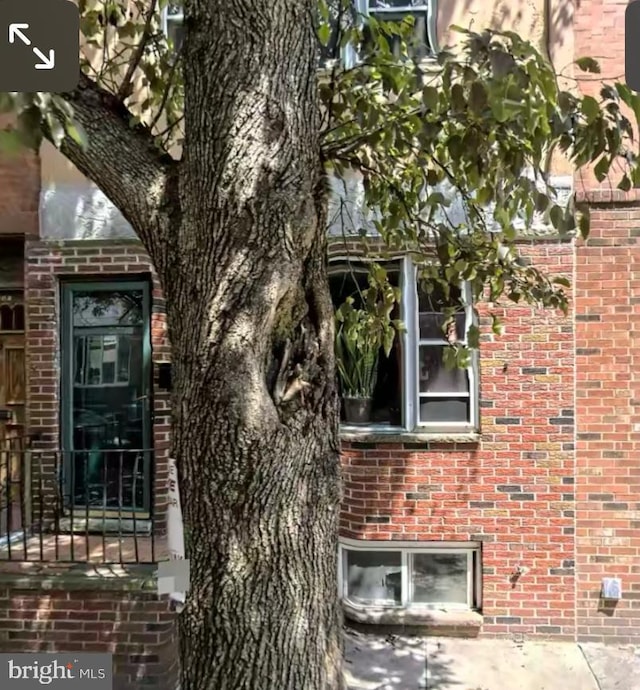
[15, 32]
[47, 62]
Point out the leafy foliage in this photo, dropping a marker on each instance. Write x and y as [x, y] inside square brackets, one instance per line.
[452, 154]
[476, 131]
[364, 327]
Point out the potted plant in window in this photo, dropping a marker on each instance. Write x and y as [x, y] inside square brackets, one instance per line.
[362, 331]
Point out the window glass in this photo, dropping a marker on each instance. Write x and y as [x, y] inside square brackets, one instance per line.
[374, 577]
[396, 4]
[439, 578]
[397, 11]
[105, 308]
[434, 377]
[11, 311]
[431, 307]
[175, 32]
[444, 395]
[445, 410]
[349, 279]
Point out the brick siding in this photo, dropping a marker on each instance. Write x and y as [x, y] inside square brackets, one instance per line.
[19, 193]
[40, 614]
[513, 491]
[608, 472]
[552, 485]
[608, 372]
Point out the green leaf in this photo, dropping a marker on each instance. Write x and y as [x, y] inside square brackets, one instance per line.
[588, 64]
[601, 169]
[499, 111]
[496, 325]
[478, 98]
[78, 134]
[430, 97]
[556, 215]
[625, 183]
[473, 337]
[584, 224]
[324, 33]
[590, 108]
[458, 101]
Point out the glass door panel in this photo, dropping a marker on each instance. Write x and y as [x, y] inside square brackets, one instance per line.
[108, 424]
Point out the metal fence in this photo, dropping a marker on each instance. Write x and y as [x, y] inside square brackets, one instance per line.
[76, 506]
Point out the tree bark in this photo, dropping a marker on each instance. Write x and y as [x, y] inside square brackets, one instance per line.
[250, 321]
[237, 233]
[125, 163]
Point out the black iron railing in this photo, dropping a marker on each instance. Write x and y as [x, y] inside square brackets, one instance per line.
[76, 506]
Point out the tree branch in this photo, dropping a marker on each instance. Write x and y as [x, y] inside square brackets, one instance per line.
[125, 87]
[167, 91]
[121, 159]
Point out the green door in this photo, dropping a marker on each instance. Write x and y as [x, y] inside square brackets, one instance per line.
[106, 391]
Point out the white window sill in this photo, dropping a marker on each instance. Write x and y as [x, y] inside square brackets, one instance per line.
[383, 434]
[461, 619]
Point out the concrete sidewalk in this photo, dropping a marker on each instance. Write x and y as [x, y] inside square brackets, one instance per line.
[377, 662]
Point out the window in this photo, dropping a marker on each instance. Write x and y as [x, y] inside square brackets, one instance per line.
[11, 312]
[173, 24]
[423, 13]
[444, 395]
[422, 44]
[384, 574]
[349, 279]
[414, 390]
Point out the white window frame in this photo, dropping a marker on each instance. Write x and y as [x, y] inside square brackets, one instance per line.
[350, 55]
[408, 550]
[471, 370]
[349, 52]
[411, 342]
[167, 18]
[427, 6]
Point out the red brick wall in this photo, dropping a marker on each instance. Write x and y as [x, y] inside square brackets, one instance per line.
[513, 490]
[607, 371]
[49, 262]
[608, 451]
[138, 628]
[19, 193]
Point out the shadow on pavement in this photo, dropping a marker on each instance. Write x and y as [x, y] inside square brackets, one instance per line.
[394, 662]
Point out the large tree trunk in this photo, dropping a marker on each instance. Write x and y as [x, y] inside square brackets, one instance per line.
[250, 322]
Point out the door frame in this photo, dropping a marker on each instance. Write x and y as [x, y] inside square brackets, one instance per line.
[14, 472]
[68, 288]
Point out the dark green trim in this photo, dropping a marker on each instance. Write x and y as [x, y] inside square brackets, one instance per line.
[68, 288]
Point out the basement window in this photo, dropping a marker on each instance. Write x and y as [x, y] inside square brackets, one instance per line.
[428, 575]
